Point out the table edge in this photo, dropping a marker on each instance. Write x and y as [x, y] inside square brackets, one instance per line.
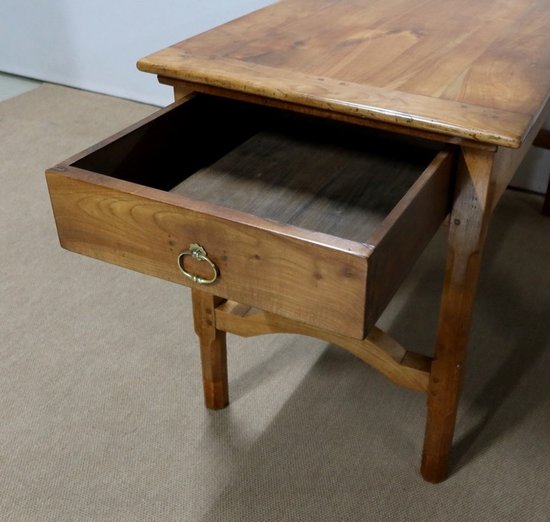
[470, 122]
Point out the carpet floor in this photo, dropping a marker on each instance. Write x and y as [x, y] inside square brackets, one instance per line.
[101, 412]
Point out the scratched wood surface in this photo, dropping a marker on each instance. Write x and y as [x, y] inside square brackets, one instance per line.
[319, 185]
[478, 70]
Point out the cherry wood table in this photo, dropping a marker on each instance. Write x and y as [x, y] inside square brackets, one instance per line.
[460, 89]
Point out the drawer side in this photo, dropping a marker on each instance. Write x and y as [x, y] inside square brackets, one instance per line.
[405, 233]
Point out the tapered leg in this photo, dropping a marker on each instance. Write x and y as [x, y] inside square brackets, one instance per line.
[468, 228]
[213, 350]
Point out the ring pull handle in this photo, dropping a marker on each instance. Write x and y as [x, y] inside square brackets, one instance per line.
[197, 252]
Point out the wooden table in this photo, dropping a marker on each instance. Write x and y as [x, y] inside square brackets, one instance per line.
[471, 77]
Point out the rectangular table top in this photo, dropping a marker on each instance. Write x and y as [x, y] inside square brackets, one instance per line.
[471, 69]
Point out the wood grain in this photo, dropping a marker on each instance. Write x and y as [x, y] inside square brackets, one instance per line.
[273, 266]
[468, 229]
[213, 350]
[406, 231]
[319, 177]
[478, 70]
[445, 117]
[328, 114]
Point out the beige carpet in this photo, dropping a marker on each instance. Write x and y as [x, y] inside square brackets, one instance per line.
[101, 414]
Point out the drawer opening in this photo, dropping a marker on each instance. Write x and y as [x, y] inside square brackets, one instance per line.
[316, 174]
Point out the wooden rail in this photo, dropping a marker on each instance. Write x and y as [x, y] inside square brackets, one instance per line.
[378, 349]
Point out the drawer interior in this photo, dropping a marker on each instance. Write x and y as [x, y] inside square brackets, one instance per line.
[321, 175]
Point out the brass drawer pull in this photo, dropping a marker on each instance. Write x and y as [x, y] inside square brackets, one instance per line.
[197, 252]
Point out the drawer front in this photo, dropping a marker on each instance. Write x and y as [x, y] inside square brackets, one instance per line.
[274, 269]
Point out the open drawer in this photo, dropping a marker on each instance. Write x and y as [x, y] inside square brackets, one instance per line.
[315, 220]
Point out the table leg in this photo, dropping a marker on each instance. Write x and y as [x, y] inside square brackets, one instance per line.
[213, 350]
[468, 229]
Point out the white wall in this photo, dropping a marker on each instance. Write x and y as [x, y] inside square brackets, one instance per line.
[94, 44]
